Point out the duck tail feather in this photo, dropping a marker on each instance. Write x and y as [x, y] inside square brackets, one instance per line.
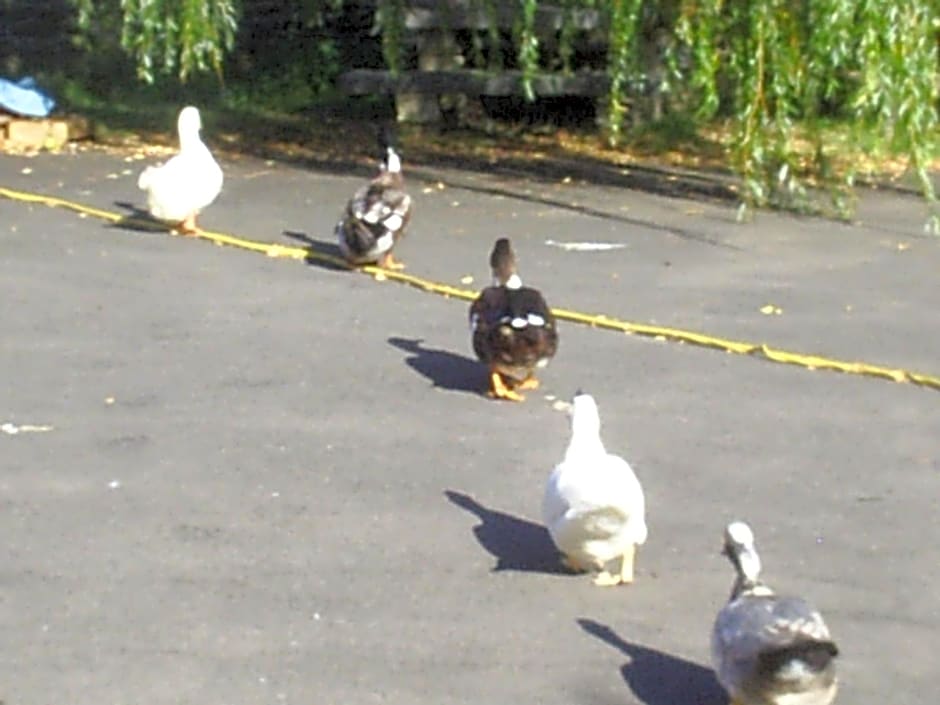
[816, 655]
[145, 179]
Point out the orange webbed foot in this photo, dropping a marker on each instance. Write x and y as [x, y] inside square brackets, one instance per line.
[499, 390]
[388, 261]
[607, 579]
[188, 226]
[529, 382]
[626, 565]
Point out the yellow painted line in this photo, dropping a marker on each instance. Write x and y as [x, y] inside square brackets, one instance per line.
[812, 362]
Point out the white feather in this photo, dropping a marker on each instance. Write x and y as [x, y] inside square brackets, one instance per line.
[393, 222]
[186, 183]
[594, 506]
[392, 161]
[535, 319]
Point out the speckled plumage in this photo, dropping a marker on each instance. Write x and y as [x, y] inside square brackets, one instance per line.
[378, 214]
[769, 649]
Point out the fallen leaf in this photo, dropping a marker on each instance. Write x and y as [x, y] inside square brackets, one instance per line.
[771, 310]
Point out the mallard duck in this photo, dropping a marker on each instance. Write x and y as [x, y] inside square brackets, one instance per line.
[594, 507]
[766, 649]
[513, 329]
[377, 215]
[180, 188]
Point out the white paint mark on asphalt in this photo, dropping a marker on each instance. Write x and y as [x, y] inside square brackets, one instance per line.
[585, 246]
[12, 429]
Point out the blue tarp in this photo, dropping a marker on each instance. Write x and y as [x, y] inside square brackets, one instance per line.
[23, 97]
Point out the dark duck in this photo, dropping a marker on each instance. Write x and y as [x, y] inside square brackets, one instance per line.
[378, 214]
[513, 329]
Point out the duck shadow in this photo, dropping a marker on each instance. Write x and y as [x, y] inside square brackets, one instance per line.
[444, 369]
[138, 220]
[517, 544]
[320, 253]
[657, 678]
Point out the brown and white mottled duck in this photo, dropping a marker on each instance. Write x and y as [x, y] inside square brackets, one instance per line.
[378, 214]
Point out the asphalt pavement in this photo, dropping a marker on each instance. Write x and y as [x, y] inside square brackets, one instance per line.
[241, 479]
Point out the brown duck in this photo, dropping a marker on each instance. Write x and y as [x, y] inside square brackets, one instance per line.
[513, 329]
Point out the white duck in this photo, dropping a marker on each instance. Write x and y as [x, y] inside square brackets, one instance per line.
[767, 649]
[594, 507]
[179, 189]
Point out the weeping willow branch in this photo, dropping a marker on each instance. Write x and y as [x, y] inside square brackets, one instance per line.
[390, 21]
[780, 70]
[899, 88]
[175, 36]
[528, 46]
[781, 73]
[622, 63]
[697, 27]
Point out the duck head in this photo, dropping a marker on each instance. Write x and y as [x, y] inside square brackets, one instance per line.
[188, 124]
[585, 418]
[739, 549]
[585, 428]
[503, 264]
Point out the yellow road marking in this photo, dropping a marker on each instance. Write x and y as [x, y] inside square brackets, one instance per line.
[812, 362]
